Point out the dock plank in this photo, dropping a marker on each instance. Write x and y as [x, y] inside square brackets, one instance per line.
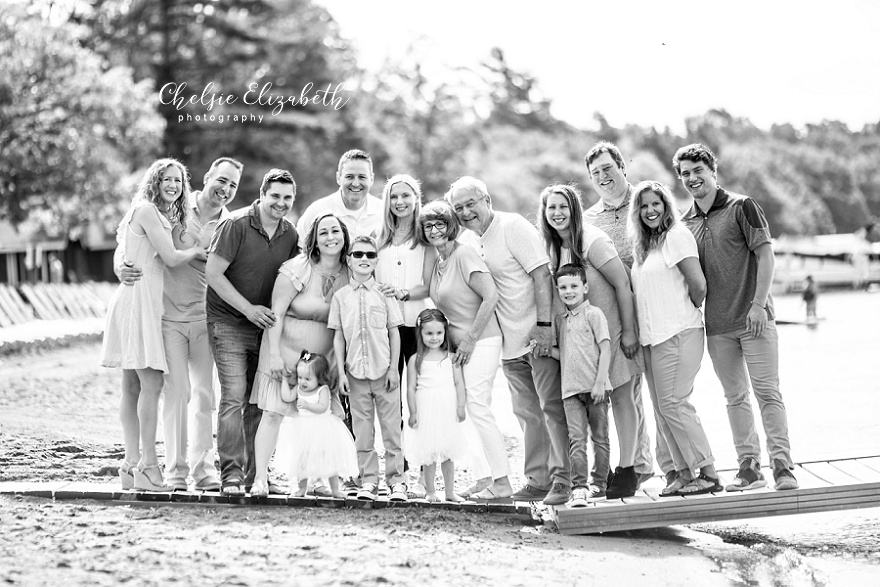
[857, 469]
[829, 473]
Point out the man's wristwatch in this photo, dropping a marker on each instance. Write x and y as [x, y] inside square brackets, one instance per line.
[543, 323]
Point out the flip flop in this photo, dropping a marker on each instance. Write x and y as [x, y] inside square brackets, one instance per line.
[232, 489]
[489, 494]
[700, 485]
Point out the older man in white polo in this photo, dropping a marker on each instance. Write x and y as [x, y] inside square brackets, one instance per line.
[512, 250]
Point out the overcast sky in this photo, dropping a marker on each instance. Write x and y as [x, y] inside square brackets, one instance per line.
[652, 62]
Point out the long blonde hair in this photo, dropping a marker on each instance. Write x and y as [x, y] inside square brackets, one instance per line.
[391, 221]
[646, 239]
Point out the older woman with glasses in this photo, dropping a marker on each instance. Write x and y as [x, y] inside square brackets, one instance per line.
[463, 289]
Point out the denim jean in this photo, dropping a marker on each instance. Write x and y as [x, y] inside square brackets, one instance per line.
[536, 393]
[236, 350]
[586, 418]
[734, 356]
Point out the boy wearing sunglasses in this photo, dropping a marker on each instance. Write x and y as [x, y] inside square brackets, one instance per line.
[367, 345]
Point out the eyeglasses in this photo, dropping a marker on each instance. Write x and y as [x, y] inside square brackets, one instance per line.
[362, 254]
[440, 225]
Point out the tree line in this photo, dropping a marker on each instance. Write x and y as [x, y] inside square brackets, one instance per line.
[80, 118]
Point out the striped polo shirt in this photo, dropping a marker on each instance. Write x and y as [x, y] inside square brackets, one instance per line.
[613, 222]
[727, 236]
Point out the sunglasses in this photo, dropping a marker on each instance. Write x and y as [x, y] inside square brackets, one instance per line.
[362, 254]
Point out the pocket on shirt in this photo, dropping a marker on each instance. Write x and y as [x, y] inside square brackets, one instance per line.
[377, 317]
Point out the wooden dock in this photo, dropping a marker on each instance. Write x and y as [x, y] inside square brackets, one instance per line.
[825, 486]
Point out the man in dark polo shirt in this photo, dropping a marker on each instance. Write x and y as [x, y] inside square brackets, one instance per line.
[737, 258]
[246, 251]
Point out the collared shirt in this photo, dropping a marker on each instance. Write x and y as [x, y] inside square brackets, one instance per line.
[253, 257]
[613, 222]
[364, 315]
[185, 285]
[366, 221]
[727, 236]
[512, 249]
[579, 332]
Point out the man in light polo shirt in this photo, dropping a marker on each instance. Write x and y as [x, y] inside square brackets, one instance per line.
[352, 202]
[512, 249]
[189, 382]
[733, 239]
[607, 171]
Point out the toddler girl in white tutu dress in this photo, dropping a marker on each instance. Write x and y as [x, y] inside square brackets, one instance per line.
[315, 444]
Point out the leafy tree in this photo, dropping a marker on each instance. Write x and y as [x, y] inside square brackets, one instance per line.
[226, 46]
[69, 130]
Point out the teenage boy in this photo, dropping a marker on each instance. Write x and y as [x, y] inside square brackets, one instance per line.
[367, 346]
[584, 352]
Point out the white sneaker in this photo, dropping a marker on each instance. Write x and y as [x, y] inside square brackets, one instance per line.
[369, 492]
[578, 498]
[398, 492]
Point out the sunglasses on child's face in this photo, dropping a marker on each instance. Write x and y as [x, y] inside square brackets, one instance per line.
[362, 254]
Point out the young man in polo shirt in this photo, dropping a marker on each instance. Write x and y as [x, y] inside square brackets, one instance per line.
[607, 170]
[737, 258]
[352, 202]
[246, 251]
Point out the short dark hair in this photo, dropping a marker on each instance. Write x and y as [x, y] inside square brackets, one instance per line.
[438, 210]
[352, 155]
[695, 152]
[605, 147]
[572, 270]
[221, 160]
[278, 176]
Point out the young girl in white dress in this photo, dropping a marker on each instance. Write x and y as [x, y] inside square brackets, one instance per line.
[436, 400]
[315, 444]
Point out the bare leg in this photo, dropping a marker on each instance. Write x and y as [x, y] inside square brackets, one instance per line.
[148, 412]
[264, 444]
[430, 492]
[448, 469]
[128, 416]
[334, 487]
[623, 406]
[303, 486]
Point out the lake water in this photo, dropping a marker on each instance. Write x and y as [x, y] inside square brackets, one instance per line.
[830, 380]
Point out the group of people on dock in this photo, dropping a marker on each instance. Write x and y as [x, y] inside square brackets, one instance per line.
[313, 327]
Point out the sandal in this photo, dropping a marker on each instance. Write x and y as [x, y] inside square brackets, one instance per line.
[489, 494]
[700, 485]
[126, 477]
[416, 491]
[143, 481]
[674, 484]
[233, 489]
